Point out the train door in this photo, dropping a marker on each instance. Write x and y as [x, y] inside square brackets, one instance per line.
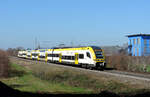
[52, 54]
[76, 58]
[60, 57]
[38, 56]
[46, 55]
[26, 56]
[31, 55]
[88, 58]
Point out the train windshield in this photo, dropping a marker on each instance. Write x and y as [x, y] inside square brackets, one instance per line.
[98, 51]
[99, 54]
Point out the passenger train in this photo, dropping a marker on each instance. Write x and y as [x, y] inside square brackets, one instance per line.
[89, 57]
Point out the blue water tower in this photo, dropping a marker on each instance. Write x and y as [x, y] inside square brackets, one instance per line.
[139, 45]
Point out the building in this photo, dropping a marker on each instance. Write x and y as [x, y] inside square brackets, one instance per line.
[139, 45]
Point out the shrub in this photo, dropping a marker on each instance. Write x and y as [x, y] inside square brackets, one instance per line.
[128, 63]
[4, 64]
[117, 62]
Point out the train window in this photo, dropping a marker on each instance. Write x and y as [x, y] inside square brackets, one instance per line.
[42, 56]
[68, 57]
[34, 55]
[88, 54]
[72, 58]
[57, 55]
[54, 55]
[50, 55]
[63, 57]
[81, 56]
[23, 54]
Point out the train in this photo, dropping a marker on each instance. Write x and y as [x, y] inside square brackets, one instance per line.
[89, 57]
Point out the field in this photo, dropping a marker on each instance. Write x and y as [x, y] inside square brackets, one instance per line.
[42, 78]
[23, 79]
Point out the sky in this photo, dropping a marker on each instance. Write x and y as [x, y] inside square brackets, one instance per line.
[71, 22]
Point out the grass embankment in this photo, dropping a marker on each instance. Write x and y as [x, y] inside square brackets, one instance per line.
[78, 79]
[43, 78]
[22, 79]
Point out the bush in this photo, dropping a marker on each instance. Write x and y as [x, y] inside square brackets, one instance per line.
[4, 64]
[128, 63]
[117, 62]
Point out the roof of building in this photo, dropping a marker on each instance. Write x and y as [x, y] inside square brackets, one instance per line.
[138, 35]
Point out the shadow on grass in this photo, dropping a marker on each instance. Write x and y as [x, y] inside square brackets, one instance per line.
[109, 68]
[6, 91]
[16, 73]
[18, 85]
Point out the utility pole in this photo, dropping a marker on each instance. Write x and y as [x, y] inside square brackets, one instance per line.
[35, 43]
[72, 44]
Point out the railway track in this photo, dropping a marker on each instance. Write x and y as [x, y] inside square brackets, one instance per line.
[115, 73]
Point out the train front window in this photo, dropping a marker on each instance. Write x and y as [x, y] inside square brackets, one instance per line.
[99, 54]
[88, 54]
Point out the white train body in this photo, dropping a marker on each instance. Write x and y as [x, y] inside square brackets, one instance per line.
[28, 56]
[42, 54]
[22, 54]
[68, 56]
[35, 54]
[85, 56]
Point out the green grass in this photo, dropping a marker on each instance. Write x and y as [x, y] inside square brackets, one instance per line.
[28, 82]
[18, 67]
[148, 69]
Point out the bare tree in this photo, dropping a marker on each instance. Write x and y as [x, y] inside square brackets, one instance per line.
[14, 51]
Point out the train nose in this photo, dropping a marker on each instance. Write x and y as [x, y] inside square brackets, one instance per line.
[100, 64]
[99, 60]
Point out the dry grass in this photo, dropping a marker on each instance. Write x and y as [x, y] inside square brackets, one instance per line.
[4, 64]
[128, 63]
[77, 79]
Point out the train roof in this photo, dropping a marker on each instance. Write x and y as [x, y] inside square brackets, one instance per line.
[94, 47]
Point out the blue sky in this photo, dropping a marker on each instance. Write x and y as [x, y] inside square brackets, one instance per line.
[82, 22]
